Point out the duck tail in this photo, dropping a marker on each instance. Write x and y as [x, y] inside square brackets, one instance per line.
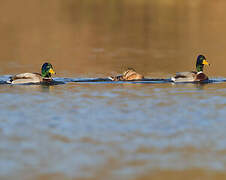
[111, 78]
[173, 79]
[10, 80]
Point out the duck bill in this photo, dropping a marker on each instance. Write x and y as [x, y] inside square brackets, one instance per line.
[205, 62]
[51, 71]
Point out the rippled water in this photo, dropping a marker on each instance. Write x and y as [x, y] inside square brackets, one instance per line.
[112, 130]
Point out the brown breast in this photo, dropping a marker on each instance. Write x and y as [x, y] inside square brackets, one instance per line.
[201, 77]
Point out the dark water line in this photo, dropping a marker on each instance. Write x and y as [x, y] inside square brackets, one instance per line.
[143, 81]
[108, 80]
[60, 81]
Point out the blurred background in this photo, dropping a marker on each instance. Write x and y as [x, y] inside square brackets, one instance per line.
[97, 37]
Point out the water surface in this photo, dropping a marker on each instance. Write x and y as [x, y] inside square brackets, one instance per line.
[114, 131]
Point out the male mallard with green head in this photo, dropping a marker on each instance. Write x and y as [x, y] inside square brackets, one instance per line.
[193, 76]
[128, 75]
[24, 78]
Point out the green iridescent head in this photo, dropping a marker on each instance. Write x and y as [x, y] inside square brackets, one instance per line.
[201, 61]
[47, 70]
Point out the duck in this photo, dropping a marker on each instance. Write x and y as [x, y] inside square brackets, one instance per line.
[25, 78]
[129, 75]
[193, 76]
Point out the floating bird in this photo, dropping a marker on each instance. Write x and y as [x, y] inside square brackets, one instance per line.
[24, 78]
[129, 75]
[193, 76]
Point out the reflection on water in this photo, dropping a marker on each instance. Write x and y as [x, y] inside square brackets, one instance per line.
[112, 130]
[102, 130]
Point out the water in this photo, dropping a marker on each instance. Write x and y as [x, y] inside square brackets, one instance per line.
[80, 128]
[111, 130]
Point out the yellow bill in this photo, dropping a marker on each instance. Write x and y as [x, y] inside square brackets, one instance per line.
[205, 62]
[51, 71]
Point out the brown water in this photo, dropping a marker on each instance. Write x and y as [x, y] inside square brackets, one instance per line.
[112, 130]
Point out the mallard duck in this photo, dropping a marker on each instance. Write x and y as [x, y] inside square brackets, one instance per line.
[129, 75]
[24, 78]
[193, 76]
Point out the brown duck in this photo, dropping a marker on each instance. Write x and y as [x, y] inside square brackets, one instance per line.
[129, 75]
